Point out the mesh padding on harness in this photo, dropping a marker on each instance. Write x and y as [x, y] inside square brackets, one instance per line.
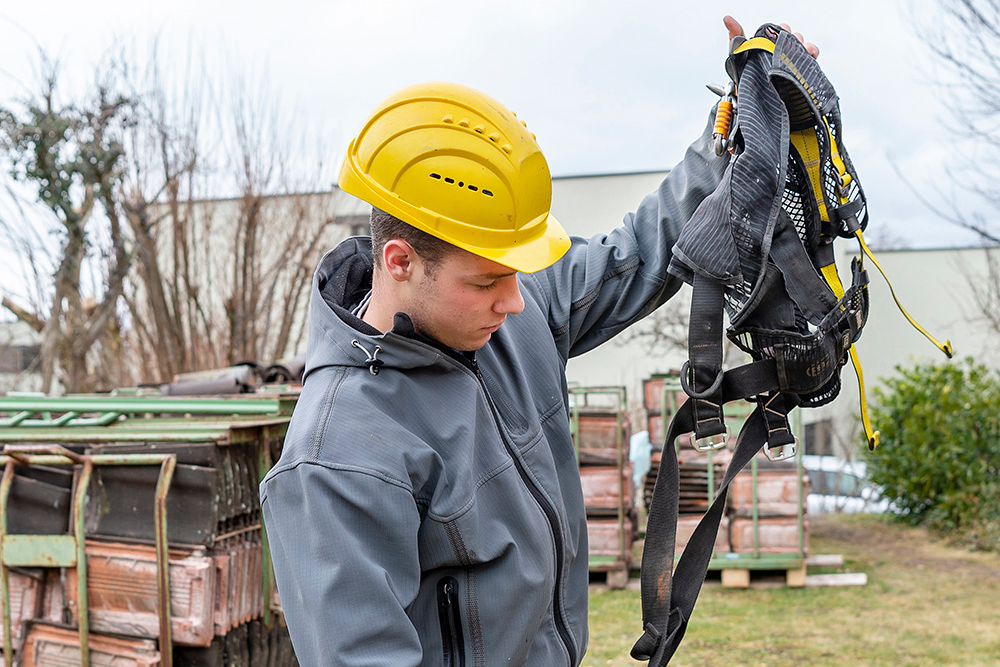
[729, 238]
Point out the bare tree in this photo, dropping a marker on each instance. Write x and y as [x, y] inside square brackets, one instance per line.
[184, 280]
[964, 37]
[71, 156]
[221, 281]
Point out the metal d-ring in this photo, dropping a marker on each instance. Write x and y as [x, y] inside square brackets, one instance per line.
[709, 443]
[695, 394]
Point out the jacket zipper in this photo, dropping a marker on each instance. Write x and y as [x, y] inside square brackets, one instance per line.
[452, 641]
[547, 510]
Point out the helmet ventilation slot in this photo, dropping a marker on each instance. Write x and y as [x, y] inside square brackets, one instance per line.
[462, 184]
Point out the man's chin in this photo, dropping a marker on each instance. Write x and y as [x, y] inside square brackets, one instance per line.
[473, 346]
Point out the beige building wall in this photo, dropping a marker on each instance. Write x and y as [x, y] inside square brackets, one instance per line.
[20, 346]
[590, 205]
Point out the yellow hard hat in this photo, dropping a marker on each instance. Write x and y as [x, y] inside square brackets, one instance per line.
[459, 165]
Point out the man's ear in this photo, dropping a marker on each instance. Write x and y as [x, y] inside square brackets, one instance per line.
[399, 259]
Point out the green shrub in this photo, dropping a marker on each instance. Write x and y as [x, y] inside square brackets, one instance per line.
[939, 455]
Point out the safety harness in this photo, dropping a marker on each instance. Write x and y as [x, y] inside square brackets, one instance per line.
[760, 249]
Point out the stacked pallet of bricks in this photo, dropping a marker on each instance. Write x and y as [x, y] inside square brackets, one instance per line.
[601, 440]
[771, 526]
[781, 491]
[221, 607]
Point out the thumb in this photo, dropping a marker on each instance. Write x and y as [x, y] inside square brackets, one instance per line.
[734, 27]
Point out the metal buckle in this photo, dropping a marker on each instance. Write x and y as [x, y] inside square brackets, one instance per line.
[709, 443]
[781, 452]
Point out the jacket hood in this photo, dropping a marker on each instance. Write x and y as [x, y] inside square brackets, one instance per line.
[339, 338]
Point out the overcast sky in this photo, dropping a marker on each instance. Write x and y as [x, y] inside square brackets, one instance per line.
[607, 87]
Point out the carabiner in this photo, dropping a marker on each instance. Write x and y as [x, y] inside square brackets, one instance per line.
[723, 117]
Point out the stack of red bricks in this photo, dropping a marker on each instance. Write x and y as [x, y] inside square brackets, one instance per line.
[602, 443]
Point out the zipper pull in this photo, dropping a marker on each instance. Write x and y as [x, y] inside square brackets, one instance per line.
[447, 591]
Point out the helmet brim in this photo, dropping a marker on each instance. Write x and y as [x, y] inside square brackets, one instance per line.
[532, 255]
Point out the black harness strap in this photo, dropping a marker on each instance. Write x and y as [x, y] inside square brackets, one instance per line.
[804, 285]
[668, 596]
[775, 412]
[702, 377]
[668, 601]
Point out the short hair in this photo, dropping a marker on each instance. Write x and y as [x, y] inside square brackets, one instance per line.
[386, 226]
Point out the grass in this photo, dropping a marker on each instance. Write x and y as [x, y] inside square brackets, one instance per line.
[926, 603]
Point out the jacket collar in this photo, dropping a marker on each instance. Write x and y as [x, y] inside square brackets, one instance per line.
[337, 337]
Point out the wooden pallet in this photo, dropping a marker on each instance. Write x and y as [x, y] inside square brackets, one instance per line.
[614, 577]
[735, 577]
[795, 575]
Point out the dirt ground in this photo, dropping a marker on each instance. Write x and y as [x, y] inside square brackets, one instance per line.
[911, 547]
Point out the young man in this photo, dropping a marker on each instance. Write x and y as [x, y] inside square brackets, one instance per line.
[427, 507]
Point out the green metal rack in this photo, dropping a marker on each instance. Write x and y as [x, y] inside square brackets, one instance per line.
[69, 550]
[617, 401]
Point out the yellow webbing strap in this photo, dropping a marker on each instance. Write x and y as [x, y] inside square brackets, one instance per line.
[756, 43]
[807, 145]
[871, 434]
[808, 148]
[833, 280]
[946, 348]
[838, 162]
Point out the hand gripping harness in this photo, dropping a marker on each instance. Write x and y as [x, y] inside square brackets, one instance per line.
[759, 248]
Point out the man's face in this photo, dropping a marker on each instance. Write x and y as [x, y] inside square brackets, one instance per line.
[463, 300]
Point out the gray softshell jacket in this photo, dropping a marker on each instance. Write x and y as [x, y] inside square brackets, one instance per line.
[427, 507]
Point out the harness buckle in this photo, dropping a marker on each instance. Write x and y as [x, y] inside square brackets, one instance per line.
[781, 452]
[709, 443]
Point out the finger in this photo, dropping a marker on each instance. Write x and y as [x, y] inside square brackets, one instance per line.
[733, 26]
[811, 48]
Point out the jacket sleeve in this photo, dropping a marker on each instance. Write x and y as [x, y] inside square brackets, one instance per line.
[604, 284]
[346, 564]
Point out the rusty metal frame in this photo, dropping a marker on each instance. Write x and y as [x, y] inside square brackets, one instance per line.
[142, 418]
[69, 550]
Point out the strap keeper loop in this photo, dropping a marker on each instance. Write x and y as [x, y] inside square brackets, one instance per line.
[647, 644]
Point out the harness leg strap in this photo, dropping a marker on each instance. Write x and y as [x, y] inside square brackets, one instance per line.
[668, 602]
[702, 375]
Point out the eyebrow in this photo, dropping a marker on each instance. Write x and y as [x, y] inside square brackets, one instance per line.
[494, 276]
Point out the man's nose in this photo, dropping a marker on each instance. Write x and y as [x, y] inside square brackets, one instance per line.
[510, 302]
